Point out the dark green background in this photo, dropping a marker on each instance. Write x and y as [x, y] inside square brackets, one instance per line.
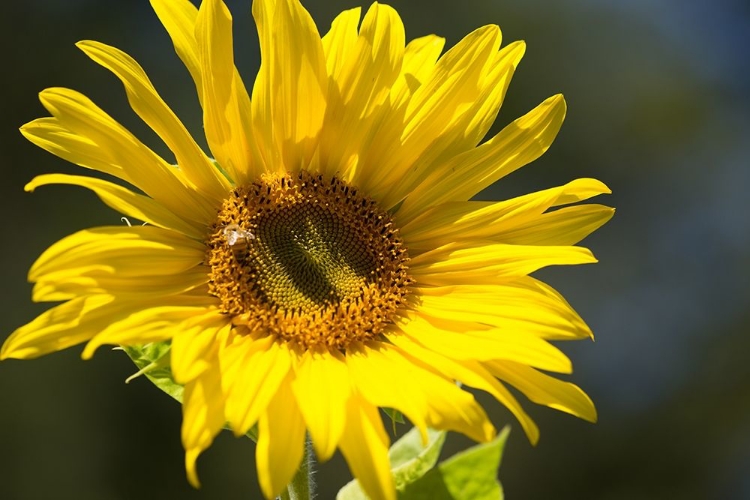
[658, 109]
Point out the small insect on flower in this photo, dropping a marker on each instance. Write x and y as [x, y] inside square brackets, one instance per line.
[238, 240]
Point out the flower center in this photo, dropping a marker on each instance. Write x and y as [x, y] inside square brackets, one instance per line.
[307, 259]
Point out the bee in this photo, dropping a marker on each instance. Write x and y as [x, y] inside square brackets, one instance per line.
[238, 240]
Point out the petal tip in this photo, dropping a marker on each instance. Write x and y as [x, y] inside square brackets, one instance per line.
[594, 417]
[89, 350]
[559, 100]
[190, 468]
[489, 431]
[520, 46]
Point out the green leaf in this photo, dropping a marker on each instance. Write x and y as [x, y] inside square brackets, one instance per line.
[153, 362]
[469, 474]
[395, 415]
[410, 460]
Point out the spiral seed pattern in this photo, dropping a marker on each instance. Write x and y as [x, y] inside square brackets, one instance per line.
[309, 260]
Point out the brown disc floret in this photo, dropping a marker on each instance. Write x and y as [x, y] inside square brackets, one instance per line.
[307, 259]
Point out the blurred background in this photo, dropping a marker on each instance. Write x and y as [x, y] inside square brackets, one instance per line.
[658, 109]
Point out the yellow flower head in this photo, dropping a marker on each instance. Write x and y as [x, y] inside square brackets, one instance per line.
[325, 260]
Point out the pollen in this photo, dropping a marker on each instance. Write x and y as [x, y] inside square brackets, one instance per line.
[309, 260]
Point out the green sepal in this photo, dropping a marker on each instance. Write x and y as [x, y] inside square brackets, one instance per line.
[153, 362]
[395, 415]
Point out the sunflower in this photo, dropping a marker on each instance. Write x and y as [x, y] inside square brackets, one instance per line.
[325, 259]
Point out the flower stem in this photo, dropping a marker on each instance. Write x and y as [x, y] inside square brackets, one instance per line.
[302, 485]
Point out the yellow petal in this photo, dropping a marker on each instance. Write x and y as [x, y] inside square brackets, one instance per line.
[475, 124]
[360, 87]
[91, 281]
[566, 226]
[149, 324]
[140, 166]
[281, 441]
[461, 68]
[545, 390]
[466, 128]
[261, 105]
[178, 18]
[387, 378]
[119, 250]
[434, 109]
[63, 326]
[463, 176]
[375, 61]
[202, 416]
[525, 300]
[254, 370]
[147, 103]
[321, 386]
[226, 104]
[420, 57]
[124, 201]
[340, 40]
[292, 78]
[525, 306]
[465, 220]
[383, 129]
[472, 374]
[445, 266]
[484, 345]
[195, 344]
[364, 444]
[48, 134]
[581, 189]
